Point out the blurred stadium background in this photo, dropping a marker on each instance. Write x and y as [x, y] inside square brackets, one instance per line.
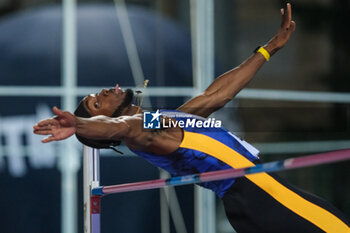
[297, 104]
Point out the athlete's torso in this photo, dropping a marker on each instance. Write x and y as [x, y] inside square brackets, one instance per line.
[184, 161]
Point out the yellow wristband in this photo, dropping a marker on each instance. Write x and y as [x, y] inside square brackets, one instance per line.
[264, 53]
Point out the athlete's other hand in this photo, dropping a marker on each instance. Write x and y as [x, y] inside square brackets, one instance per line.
[282, 36]
[60, 127]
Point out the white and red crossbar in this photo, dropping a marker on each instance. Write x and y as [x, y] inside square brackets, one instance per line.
[287, 164]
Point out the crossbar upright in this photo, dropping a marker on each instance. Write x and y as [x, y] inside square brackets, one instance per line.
[91, 179]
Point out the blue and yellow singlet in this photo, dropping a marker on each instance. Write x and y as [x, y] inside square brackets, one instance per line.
[210, 149]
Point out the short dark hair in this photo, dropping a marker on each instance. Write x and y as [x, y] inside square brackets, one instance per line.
[81, 111]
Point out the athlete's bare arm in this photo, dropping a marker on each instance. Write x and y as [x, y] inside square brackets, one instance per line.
[123, 128]
[226, 87]
[65, 124]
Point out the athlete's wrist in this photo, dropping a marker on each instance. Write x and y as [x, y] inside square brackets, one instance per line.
[271, 48]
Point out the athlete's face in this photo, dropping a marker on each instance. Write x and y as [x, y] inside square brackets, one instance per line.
[105, 102]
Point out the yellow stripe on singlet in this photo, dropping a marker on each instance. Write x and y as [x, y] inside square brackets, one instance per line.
[302, 207]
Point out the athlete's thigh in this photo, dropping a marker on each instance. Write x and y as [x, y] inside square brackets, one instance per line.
[250, 208]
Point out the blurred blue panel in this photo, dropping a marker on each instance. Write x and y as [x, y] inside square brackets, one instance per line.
[30, 47]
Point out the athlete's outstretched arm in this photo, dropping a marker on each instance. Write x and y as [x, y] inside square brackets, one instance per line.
[65, 124]
[225, 87]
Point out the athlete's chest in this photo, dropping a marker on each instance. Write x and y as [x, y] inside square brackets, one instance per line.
[159, 142]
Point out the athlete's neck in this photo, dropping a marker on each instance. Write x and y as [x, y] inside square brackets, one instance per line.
[130, 110]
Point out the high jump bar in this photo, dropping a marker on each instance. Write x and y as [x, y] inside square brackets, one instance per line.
[287, 164]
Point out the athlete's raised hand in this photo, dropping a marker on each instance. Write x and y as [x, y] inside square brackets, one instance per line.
[60, 127]
[283, 34]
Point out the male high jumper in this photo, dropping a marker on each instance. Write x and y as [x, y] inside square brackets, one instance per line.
[254, 203]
